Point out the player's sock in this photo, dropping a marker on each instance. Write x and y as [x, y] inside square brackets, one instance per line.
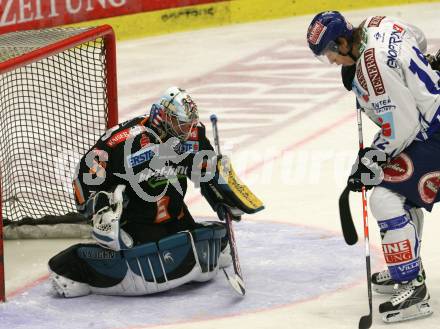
[384, 284]
[410, 301]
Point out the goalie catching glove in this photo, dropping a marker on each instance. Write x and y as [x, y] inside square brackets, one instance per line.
[106, 230]
[226, 193]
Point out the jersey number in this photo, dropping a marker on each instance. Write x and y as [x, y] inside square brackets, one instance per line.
[423, 76]
[162, 210]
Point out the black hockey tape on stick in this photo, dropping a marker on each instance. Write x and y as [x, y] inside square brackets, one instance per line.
[236, 280]
[347, 225]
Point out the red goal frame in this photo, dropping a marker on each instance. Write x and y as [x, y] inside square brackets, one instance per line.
[107, 34]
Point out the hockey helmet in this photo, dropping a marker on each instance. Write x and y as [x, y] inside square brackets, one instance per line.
[180, 113]
[324, 30]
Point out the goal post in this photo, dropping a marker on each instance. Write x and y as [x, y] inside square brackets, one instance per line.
[58, 94]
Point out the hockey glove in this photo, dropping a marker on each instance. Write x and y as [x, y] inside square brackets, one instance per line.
[106, 225]
[367, 170]
[434, 61]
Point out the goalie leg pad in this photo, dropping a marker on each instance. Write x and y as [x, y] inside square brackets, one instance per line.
[225, 258]
[145, 269]
[208, 243]
[66, 287]
[71, 275]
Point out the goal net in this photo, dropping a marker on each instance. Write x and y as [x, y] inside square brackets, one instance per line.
[57, 96]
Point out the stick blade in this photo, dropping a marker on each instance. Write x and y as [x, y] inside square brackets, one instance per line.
[348, 228]
[236, 283]
[365, 321]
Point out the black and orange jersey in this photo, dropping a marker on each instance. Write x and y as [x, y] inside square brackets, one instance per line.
[154, 170]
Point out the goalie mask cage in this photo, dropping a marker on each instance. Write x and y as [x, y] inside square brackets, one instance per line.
[58, 94]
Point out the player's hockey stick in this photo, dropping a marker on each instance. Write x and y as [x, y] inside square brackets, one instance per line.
[366, 320]
[236, 281]
[348, 228]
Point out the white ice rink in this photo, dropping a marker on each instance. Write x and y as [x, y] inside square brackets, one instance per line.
[290, 128]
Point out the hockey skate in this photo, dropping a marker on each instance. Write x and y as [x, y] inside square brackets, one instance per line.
[383, 283]
[409, 301]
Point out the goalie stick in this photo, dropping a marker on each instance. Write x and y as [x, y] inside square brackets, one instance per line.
[236, 280]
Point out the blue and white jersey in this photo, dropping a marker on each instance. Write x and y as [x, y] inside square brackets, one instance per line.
[395, 84]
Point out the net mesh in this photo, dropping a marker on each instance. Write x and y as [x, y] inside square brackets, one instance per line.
[51, 112]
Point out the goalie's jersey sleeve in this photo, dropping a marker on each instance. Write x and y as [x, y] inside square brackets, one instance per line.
[395, 85]
[125, 155]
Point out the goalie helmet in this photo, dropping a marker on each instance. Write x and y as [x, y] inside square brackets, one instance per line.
[324, 30]
[180, 115]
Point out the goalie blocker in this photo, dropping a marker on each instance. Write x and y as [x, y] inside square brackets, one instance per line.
[226, 189]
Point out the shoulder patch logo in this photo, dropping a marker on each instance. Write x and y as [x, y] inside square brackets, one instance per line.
[373, 72]
[375, 21]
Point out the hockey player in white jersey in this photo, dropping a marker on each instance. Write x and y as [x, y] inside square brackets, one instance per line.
[398, 89]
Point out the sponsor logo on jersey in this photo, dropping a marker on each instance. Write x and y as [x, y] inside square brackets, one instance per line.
[373, 72]
[398, 28]
[386, 121]
[316, 32]
[361, 78]
[394, 46]
[383, 106]
[375, 21]
[397, 252]
[142, 156]
[429, 185]
[119, 137]
[400, 169]
[191, 147]
[163, 174]
[123, 135]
